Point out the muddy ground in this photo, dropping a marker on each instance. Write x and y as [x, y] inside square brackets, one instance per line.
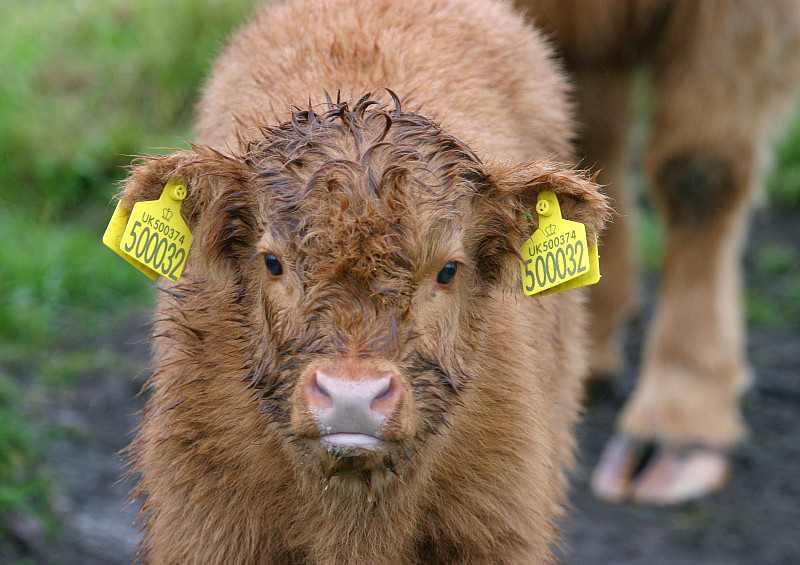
[755, 521]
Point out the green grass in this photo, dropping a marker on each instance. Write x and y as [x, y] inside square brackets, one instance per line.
[784, 183]
[775, 259]
[648, 234]
[84, 86]
[51, 273]
[59, 290]
[773, 298]
[24, 485]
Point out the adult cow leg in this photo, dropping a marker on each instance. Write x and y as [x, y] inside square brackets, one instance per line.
[693, 366]
[721, 95]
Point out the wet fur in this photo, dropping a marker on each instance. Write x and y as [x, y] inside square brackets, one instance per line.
[364, 200]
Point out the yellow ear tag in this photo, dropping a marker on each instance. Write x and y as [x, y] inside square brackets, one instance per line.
[153, 237]
[557, 257]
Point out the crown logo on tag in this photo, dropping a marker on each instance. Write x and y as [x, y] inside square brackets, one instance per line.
[550, 230]
[166, 215]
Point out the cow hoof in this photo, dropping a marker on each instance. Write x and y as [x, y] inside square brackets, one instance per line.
[650, 474]
[678, 475]
[611, 479]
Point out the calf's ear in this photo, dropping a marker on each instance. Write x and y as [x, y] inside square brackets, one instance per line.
[580, 198]
[219, 208]
[508, 209]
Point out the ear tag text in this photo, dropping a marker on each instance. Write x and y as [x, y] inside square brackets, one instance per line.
[557, 256]
[154, 238]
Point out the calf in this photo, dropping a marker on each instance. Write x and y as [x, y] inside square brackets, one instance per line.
[724, 76]
[348, 370]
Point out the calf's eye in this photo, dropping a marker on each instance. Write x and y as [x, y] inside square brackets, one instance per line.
[447, 273]
[273, 265]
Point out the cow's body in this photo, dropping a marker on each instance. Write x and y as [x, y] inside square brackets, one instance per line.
[348, 371]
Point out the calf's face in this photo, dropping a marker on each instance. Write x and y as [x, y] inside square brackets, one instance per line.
[365, 246]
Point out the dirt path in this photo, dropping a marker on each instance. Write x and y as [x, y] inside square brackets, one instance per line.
[753, 522]
[98, 524]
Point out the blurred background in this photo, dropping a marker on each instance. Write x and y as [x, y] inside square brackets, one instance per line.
[87, 84]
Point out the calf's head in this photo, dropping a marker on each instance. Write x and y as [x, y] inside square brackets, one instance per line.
[359, 250]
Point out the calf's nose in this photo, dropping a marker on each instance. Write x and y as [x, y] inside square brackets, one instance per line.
[351, 406]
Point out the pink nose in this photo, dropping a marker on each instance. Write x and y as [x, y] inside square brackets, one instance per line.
[348, 403]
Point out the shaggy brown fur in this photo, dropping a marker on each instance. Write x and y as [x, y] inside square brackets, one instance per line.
[364, 202]
[724, 74]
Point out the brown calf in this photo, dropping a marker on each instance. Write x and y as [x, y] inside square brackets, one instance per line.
[348, 371]
[724, 75]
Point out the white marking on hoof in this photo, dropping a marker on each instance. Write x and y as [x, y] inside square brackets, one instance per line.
[678, 475]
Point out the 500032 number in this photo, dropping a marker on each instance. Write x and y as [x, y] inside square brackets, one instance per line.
[554, 266]
[155, 251]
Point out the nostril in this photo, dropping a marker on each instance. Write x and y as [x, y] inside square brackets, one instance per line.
[384, 387]
[319, 381]
[387, 396]
[318, 394]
